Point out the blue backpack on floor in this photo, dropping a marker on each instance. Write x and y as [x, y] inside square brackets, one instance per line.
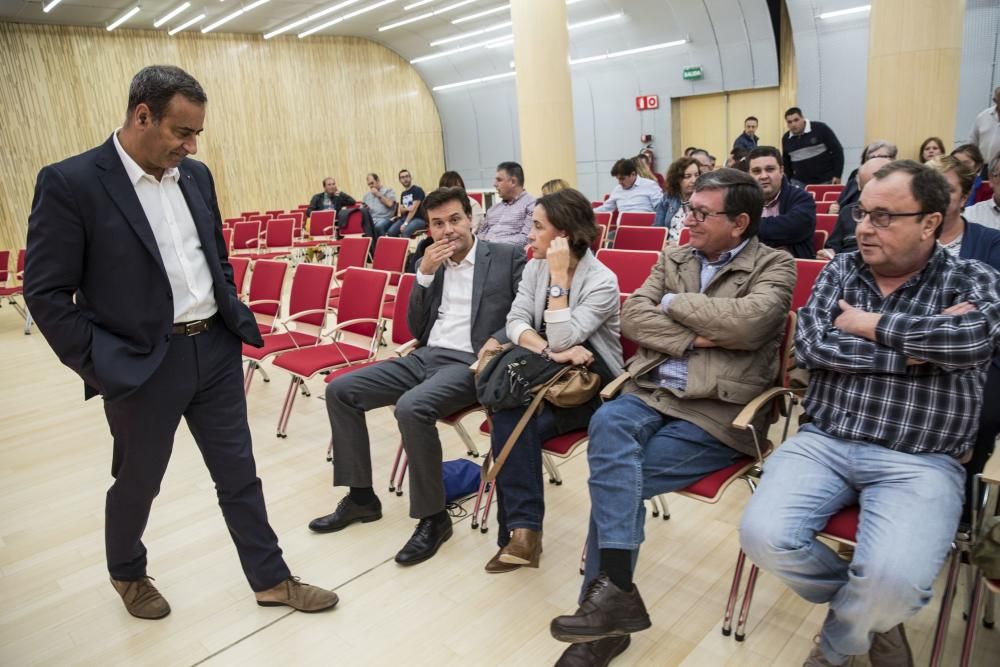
[461, 479]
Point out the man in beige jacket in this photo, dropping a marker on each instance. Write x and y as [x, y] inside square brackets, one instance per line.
[709, 322]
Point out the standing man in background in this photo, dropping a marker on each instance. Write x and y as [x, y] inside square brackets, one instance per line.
[813, 153]
[748, 140]
[985, 132]
[128, 279]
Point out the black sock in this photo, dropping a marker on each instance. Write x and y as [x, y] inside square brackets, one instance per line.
[441, 516]
[617, 564]
[363, 495]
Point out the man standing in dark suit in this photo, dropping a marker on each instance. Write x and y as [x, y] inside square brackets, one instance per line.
[129, 281]
[458, 306]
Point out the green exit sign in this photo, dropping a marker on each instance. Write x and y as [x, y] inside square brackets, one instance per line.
[691, 73]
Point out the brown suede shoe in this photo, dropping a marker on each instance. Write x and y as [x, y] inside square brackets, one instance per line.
[497, 566]
[606, 611]
[141, 598]
[524, 548]
[293, 593]
[890, 649]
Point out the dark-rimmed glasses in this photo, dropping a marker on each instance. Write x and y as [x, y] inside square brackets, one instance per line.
[881, 219]
[700, 215]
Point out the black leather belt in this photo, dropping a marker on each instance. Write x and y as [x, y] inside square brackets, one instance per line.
[194, 327]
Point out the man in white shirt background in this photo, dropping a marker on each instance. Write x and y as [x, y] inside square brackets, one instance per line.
[987, 213]
[633, 192]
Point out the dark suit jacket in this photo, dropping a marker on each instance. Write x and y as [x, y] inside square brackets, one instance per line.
[494, 286]
[94, 279]
[794, 225]
[339, 200]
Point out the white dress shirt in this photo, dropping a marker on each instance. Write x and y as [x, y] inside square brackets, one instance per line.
[453, 328]
[643, 196]
[986, 132]
[986, 213]
[176, 237]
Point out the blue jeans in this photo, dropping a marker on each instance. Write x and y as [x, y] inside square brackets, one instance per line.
[636, 452]
[520, 485]
[379, 229]
[910, 505]
[416, 225]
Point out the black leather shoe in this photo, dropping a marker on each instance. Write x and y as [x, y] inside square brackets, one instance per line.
[606, 611]
[598, 653]
[347, 512]
[430, 534]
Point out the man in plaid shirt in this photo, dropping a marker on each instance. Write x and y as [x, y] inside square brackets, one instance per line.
[897, 338]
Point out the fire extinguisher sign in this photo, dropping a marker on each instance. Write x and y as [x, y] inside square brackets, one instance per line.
[647, 102]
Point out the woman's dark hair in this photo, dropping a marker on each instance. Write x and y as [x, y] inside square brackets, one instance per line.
[442, 196]
[930, 140]
[675, 174]
[451, 179]
[569, 211]
[973, 152]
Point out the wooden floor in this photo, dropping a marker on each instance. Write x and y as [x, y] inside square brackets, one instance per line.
[57, 607]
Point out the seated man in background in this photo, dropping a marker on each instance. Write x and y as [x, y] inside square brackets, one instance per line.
[458, 306]
[842, 239]
[849, 195]
[709, 322]
[789, 217]
[706, 162]
[633, 192]
[330, 199]
[987, 212]
[897, 338]
[509, 220]
[381, 203]
[411, 216]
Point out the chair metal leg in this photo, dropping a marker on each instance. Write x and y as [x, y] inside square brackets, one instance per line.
[478, 504]
[988, 611]
[248, 376]
[553, 470]
[329, 451]
[470, 446]
[944, 614]
[662, 498]
[305, 390]
[741, 622]
[286, 411]
[734, 593]
[484, 525]
[402, 474]
[27, 322]
[968, 645]
[263, 373]
[395, 467]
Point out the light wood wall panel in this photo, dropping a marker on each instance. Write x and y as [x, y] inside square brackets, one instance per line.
[714, 121]
[913, 72]
[282, 113]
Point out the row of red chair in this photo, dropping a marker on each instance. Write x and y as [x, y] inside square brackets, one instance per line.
[12, 285]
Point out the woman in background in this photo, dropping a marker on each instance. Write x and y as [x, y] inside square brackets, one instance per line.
[681, 176]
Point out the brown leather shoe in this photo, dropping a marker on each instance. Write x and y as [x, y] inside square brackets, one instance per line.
[594, 654]
[606, 611]
[293, 593]
[141, 598]
[497, 566]
[890, 649]
[524, 548]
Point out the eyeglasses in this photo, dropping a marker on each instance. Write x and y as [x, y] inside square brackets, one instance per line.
[880, 219]
[700, 215]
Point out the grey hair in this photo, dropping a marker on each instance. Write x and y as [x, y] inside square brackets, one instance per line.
[156, 85]
[882, 143]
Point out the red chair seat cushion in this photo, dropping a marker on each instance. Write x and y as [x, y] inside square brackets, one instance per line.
[334, 374]
[456, 417]
[844, 524]
[563, 445]
[309, 361]
[710, 485]
[11, 291]
[278, 342]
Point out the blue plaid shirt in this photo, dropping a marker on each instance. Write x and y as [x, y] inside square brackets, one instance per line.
[864, 390]
[673, 373]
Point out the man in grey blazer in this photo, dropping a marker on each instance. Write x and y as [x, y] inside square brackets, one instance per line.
[458, 306]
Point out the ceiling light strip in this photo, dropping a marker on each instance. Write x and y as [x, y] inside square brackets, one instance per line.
[485, 12]
[349, 15]
[426, 15]
[845, 12]
[627, 52]
[312, 17]
[124, 17]
[160, 21]
[600, 19]
[414, 5]
[230, 17]
[460, 49]
[49, 7]
[186, 24]
[473, 33]
[494, 77]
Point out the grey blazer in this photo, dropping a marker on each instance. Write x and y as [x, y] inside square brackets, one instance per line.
[594, 307]
[494, 285]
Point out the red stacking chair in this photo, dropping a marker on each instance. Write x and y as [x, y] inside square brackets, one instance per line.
[830, 195]
[10, 290]
[631, 266]
[806, 272]
[240, 266]
[819, 239]
[478, 196]
[306, 311]
[598, 243]
[246, 238]
[352, 226]
[823, 207]
[227, 238]
[357, 317]
[353, 254]
[603, 218]
[684, 237]
[596, 204]
[639, 238]
[636, 219]
[4, 267]
[274, 214]
[826, 222]
[233, 221]
[321, 223]
[819, 191]
[247, 214]
[390, 256]
[264, 297]
[277, 239]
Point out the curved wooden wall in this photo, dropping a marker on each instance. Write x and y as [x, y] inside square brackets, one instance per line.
[282, 113]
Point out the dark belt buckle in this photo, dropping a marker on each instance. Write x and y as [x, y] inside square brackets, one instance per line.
[196, 327]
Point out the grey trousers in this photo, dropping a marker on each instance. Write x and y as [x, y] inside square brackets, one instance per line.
[427, 384]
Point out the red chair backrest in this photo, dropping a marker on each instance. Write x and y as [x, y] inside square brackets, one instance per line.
[310, 290]
[247, 214]
[824, 206]
[826, 222]
[240, 266]
[685, 236]
[830, 195]
[279, 233]
[632, 267]
[819, 190]
[299, 216]
[274, 214]
[390, 255]
[629, 346]
[353, 252]
[806, 270]
[243, 233]
[602, 233]
[603, 218]
[400, 328]
[478, 196]
[353, 224]
[19, 267]
[4, 265]
[265, 285]
[361, 293]
[233, 221]
[321, 223]
[262, 219]
[636, 219]
[819, 239]
[596, 204]
[640, 238]
[227, 237]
